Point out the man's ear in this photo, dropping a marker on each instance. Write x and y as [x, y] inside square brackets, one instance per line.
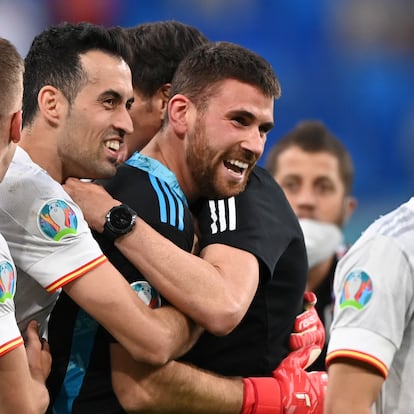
[178, 113]
[51, 102]
[16, 127]
[162, 96]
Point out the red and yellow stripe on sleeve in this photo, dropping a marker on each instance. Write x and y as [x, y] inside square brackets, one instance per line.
[62, 281]
[10, 345]
[360, 356]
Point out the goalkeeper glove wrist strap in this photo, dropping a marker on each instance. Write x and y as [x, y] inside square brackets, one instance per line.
[261, 395]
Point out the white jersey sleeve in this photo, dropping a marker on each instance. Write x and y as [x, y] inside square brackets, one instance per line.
[374, 304]
[10, 337]
[49, 240]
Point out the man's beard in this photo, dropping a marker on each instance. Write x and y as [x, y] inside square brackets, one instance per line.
[203, 163]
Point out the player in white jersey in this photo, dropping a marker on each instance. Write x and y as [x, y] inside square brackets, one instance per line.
[50, 241]
[22, 374]
[77, 93]
[10, 336]
[370, 353]
[22, 377]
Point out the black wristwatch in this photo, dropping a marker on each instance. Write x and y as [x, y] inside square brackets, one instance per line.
[119, 220]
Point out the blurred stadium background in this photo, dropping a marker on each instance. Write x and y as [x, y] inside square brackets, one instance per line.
[349, 63]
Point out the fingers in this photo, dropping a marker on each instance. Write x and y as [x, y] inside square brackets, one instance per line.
[76, 187]
[301, 358]
[309, 299]
[32, 333]
[45, 345]
[306, 320]
[38, 352]
[32, 338]
[71, 180]
[311, 336]
[308, 328]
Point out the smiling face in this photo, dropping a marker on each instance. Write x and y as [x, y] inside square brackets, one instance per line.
[227, 138]
[313, 186]
[92, 140]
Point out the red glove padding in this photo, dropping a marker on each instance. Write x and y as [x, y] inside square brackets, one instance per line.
[302, 392]
[308, 328]
[292, 390]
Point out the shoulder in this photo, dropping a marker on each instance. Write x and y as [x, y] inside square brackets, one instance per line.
[263, 196]
[395, 228]
[261, 178]
[262, 185]
[25, 179]
[29, 193]
[128, 182]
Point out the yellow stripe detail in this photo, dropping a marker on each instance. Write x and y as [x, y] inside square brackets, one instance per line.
[9, 346]
[76, 273]
[360, 356]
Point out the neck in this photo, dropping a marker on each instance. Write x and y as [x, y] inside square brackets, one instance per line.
[170, 151]
[42, 152]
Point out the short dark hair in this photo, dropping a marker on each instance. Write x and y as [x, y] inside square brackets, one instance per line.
[11, 70]
[314, 136]
[157, 49]
[202, 69]
[54, 59]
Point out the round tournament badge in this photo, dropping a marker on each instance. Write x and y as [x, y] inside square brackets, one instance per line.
[147, 293]
[57, 219]
[357, 290]
[7, 281]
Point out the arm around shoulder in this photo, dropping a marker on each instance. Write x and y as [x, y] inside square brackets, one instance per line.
[150, 335]
[183, 278]
[187, 280]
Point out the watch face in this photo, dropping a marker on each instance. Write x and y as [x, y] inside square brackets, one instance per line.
[121, 218]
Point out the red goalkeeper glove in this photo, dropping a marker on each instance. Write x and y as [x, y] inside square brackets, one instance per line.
[308, 328]
[291, 390]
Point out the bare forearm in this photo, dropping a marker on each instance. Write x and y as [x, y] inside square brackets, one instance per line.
[195, 391]
[171, 271]
[345, 407]
[15, 399]
[176, 388]
[183, 332]
[353, 387]
[187, 280]
[19, 392]
[152, 336]
[40, 397]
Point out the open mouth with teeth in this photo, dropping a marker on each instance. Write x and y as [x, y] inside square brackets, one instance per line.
[113, 145]
[239, 167]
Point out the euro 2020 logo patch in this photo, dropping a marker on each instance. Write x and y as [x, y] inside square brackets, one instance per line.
[7, 281]
[147, 293]
[357, 290]
[57, 219]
